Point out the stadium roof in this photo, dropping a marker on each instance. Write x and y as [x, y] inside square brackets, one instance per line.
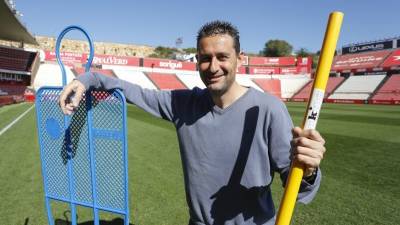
[11, 27]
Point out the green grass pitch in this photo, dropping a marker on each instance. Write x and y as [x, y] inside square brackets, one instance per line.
[361, 183]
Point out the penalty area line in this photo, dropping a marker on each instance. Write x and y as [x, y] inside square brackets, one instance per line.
[15, 121]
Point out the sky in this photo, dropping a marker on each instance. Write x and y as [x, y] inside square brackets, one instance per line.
[302, 23]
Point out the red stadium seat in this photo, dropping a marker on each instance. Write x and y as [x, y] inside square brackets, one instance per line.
[390, 89]
[304, 94]
[359, 61]
[16, 59]
[272, 86]
[166, 81]
[13, 88]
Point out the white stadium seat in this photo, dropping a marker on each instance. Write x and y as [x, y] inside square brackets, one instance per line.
[135, 77]
[357, 87]
[50, 75]
[191, 80]
[290, 85]
[245, 80]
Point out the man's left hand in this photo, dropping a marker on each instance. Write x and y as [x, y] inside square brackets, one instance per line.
[308, 149]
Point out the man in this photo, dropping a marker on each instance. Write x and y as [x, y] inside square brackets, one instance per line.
[232, 138]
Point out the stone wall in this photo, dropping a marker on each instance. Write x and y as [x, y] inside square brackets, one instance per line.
[103, 48]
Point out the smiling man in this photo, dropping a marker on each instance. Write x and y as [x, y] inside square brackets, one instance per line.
[218, 59]
[232, 138]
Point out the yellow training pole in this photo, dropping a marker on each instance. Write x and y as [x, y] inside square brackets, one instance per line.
[311, 116]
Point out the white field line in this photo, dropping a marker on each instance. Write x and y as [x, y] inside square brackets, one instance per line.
[15, 121]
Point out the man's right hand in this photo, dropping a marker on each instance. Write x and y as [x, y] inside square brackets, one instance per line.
[71, 96]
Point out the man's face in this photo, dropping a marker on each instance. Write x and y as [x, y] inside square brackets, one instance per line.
[217, 61]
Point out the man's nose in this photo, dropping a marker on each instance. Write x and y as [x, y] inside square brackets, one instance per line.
[214, 66]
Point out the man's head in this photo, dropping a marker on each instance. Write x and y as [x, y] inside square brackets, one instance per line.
[218, 27]
[218, 56]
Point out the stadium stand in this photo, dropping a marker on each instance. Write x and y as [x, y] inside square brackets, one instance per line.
[304, 93]
[166, 81]
[12, 88]
[285, 77]
[15, 70]
[3, 93]
[135, 77]
[17, 65]
[333, 84]
[389, 91]
[292, 84]
[357, 87]
[79, 70]
[246, 81]
[392, 61]
[6, 100]
[366, 61]
[16, 59]
[272, 86]
[50, 75]
[191, 79]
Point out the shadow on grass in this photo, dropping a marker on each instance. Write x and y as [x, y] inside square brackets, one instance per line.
[117, 221]
[67, 221]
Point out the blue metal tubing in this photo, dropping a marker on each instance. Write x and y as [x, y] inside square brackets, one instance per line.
[51, 197]
[92, 162]
[91, 134]
[87, 205]
[46, 199]
[125, 157]
[68, 146]
[58, 43]
[68, 118]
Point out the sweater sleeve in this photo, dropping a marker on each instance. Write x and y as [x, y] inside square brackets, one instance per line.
[279, 137]
[157, 103]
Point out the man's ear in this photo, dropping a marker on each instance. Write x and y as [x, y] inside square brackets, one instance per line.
[197, 61]
[240, 59]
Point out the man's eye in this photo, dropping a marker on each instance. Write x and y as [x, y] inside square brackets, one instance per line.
[223, 58]
[204, 59]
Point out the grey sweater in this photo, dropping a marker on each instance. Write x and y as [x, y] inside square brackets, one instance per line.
[229, 156]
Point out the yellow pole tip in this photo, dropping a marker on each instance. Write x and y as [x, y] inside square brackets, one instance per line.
[337, 13]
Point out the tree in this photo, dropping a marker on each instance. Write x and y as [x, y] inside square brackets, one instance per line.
[163, 52]
[277, 48]
[253, 54]
[303, 52]
[170, 53]
[190, 50]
